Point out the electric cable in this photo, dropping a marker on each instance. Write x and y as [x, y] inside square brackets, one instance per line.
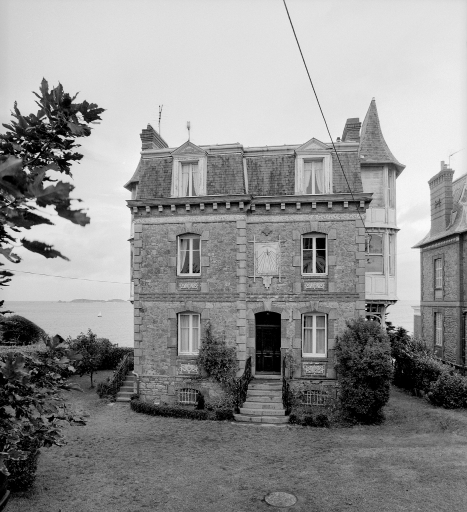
[322, 113]
[64, 277]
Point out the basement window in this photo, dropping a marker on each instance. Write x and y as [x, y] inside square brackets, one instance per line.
[187, 396]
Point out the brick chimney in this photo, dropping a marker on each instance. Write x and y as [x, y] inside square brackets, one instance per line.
[441, 199]
[352, 130]
[150, 139]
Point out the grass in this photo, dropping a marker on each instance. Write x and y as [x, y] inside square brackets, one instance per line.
[124, 461]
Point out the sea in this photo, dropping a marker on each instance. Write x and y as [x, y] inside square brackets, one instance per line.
[116, 320]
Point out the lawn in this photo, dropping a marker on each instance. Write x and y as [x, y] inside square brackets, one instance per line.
[124, 461]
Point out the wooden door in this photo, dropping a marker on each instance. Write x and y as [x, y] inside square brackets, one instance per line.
[268, 348]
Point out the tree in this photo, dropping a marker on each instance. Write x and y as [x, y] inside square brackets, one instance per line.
[33, 146]
[91, 350]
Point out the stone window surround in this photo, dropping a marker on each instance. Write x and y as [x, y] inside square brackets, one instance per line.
[434, 257]
[318, 227]
[175, 231]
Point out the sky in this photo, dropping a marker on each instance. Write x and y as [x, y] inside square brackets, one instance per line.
[231, 68]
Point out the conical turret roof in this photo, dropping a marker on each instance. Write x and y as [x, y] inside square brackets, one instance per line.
[373, 147]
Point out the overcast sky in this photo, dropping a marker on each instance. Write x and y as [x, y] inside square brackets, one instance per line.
[233, 70]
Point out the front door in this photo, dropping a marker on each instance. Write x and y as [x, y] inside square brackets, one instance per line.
[268, 343]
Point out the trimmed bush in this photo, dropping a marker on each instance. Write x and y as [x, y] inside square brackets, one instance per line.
[23, 472]
[322, 420]
[167, 411]
[449, 391]
[364, 370]
[17, 330]
[180, 412]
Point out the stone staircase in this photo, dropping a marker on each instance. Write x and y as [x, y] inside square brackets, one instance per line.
[263, 403]
[127, 389]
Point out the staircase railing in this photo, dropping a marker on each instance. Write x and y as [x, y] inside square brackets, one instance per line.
[286, 398]
[111, 387]
[241, 385]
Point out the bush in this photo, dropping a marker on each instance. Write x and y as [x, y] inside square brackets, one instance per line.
[23, 472]
[322, 420]
[17, 330]
[168, 411]
[449, 391]
[111, 355]
[364, 370]
[216, 358]
[224, 414]
[308, 420]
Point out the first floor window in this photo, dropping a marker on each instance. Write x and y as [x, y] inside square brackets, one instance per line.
[188, 333]
[439, 329]
[438, 273]
[189, 255]
[314, 254]
[374, 253]
[314, 335]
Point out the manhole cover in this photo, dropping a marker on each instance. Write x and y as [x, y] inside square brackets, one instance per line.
[280, 499]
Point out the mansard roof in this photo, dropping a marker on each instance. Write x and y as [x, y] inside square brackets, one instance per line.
[135, 177]
[373, 147]
[188, 148]
[458, 223]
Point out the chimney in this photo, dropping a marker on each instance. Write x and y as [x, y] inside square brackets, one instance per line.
[150, 139]
[441, 199]
[352, 130]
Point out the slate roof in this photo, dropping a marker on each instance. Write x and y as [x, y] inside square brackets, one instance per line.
[458, 222]
[373, 147]
[135, 177]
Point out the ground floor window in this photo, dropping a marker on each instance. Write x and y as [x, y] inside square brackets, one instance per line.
[188, 333]
[439, 329]
[314, 335]
[187, 396]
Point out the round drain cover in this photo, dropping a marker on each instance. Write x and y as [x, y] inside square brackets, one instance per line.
[280, 499]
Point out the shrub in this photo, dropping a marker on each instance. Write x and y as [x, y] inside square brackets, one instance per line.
[23, 472]
[308, 420]
[449, 391]
[322, 420]
[364, 370]
[216, 358]
[17, 330]
[91, 351]
[168, 411]
[224, 414]
[295, 418]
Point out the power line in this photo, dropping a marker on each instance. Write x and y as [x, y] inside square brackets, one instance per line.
[65, 277]
[321, 110]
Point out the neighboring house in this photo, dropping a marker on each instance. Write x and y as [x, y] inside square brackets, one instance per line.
[267, 243]
[443, 262]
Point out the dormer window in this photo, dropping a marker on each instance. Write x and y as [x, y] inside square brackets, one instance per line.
[313, 169]
[189, 171]
[313, 176]
[189, 181]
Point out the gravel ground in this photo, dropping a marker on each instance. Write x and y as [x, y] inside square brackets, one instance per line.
[124, 461]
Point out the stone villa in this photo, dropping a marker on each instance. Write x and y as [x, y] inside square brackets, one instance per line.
[443, 263]
[266, 243]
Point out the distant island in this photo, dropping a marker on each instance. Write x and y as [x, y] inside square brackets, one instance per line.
[93, 300]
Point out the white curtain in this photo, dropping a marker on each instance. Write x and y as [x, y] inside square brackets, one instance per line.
[308, 335]
[299, 175]
[202, 177]
[196, 179]
[320, 334]
[176, 170]
[307, 177]
[184, 258]
[319, 176]
[328, 174]
[184, 333]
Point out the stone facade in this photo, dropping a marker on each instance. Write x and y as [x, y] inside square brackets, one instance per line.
[443, 260]
[249, 213]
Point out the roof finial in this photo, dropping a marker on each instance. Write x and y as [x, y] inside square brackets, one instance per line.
[160, 115]
[188, 128]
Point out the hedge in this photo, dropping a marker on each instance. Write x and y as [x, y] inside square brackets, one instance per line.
[416, 369]
[180, 412]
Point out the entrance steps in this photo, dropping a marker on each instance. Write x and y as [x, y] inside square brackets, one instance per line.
[127, 389]
[263, 403]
